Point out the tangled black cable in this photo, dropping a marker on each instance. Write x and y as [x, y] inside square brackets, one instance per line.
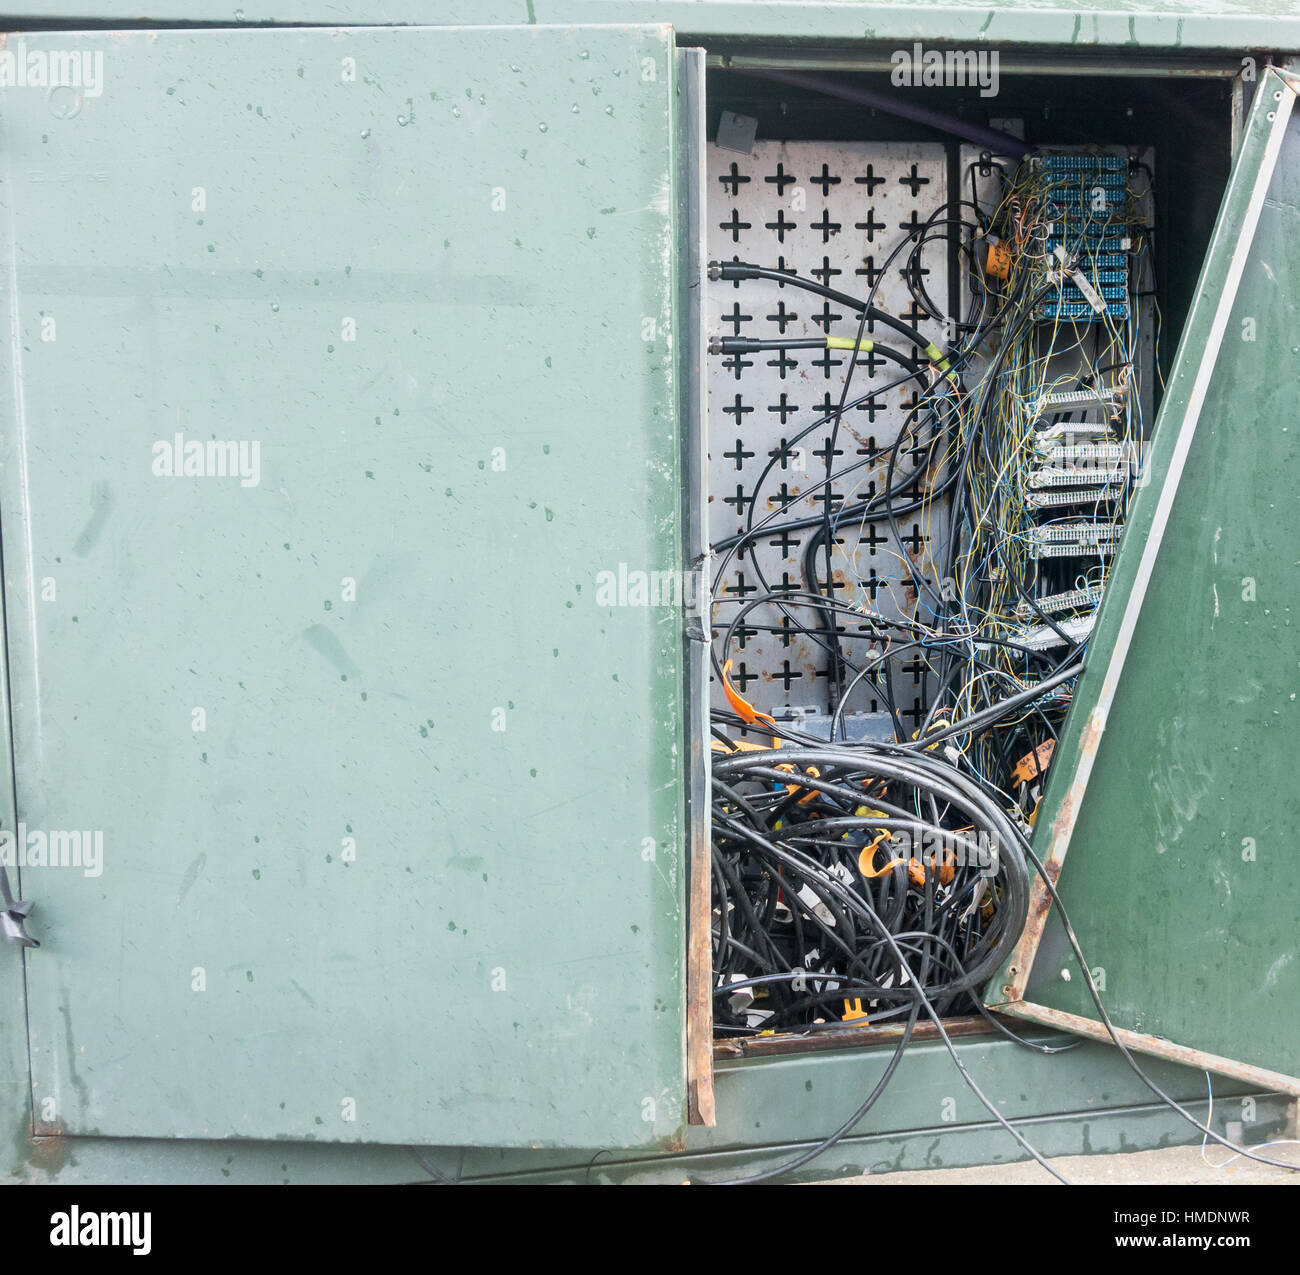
[847, 878]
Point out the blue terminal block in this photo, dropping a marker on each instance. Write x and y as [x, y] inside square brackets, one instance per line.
[1092, 233]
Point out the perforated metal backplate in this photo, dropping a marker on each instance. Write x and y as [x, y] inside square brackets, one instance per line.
[832, 212]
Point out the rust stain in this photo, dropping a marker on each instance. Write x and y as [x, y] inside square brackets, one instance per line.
[1158, 1047]
[56, 1128]
[1022, 958]
[1040, 901]
[862, 439]
[1091, 735]
[848, 1038]
[1064, 821]
[48, 1147]
[1040, 905]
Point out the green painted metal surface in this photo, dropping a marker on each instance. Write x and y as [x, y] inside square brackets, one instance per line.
[1134, 24]
[391, 801]
[120, 1043]
[1083, 1102]
[15, 1091]
[1179, 878]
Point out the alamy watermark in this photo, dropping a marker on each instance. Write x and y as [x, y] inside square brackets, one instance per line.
[101, 1229]
[632, 587]
[24, 68]
[938, 848]
[919, 67]
[53, 848]
[215, 458]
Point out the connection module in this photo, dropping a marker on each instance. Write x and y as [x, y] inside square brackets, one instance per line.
[1088, 234]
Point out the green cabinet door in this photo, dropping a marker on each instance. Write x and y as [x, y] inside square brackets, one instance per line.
[341, 384]
[1175, 787]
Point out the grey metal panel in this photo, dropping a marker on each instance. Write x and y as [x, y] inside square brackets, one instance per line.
[833, 212]
[399, 886]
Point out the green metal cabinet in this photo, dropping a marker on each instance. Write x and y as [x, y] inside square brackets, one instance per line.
[313, 463]
[382, 864]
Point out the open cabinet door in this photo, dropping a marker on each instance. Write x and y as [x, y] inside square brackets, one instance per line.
[344, 425]
[1175, 786]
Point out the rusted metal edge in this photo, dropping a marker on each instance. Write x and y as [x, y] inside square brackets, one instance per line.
[689, 172]
[1156, 1046]
[701, 1108]
[1062, 828]
[1040, 899]
[849, 1038]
